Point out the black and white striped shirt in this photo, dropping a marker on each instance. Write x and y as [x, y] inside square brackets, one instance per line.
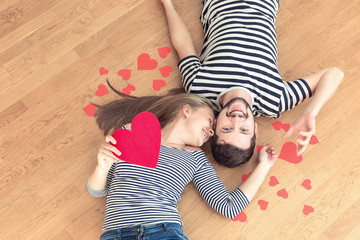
[140, 195]
[240, 52]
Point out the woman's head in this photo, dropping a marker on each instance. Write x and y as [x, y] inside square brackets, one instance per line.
[113, 115]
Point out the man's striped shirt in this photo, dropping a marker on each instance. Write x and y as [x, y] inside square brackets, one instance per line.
[240, 52]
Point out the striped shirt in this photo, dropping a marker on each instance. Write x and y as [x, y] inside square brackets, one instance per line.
[140, 195]
[240, 52]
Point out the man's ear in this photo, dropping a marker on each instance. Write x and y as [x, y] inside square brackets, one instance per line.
[256, 130]
[186, 110]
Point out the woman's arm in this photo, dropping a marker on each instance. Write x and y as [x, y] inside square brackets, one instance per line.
[98, 179]
[323, 85]
[179, 34]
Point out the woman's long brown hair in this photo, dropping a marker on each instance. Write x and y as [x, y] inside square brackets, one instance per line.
[117, 113]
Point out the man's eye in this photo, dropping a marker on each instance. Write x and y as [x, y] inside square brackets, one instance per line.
[227, 129]
[244, 130]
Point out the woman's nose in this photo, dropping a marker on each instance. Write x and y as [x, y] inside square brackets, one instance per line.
[211, 132]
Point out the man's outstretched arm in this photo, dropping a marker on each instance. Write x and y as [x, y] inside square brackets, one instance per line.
[179, 34]
[323, 85]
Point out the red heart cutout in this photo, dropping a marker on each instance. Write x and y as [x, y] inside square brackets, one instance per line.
[285, 126]
[165, 71]
[308, 209]
[158, 84]
[245, 176]
[283, 193]
[129, 88]
[141, 145]
[240, 217]
[145, 62]
[89, 110]
[103, 71]
[288, 153]
[273, 181]
[277, 125]
[102, 90]
[163, 52]
[258, 148]
[263, 204]
[314, 140]
[125, 74]
[306, 184]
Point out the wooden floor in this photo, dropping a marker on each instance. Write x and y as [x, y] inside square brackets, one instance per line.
[50, 56]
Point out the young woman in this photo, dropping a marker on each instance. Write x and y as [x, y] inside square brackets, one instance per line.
[142, 202]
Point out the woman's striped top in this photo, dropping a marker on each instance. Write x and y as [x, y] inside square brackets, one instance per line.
[140, 195]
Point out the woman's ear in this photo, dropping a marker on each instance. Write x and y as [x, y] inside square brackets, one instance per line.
[186, 110]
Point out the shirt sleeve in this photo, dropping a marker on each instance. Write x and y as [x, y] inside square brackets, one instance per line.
[294, 93]
[215, 193]
[189, 67]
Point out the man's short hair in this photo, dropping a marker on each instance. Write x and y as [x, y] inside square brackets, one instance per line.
[229, 155]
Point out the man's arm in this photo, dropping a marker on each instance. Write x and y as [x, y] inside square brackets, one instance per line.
[323, 85]
[179, 34]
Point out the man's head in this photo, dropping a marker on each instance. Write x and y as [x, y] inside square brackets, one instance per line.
[235, 134]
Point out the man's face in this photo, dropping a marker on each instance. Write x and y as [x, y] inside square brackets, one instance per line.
[235, 124]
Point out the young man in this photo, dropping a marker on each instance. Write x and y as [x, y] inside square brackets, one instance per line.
[237, 70]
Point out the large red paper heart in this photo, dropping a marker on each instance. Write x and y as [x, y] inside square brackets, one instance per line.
[141, 145]
[277, 125]
[263, 204]
[145, 62]
[163, 52]
[240, 217]
[125, 74]
[165, 71]
[288, 153]
[283, 193]
[273, 181]
[103, 71]
[245, 176]
[308, 209]
[158, 84]
[102, 90]
[89, 110]
[306, 184]
[314, 140]
[129, 88]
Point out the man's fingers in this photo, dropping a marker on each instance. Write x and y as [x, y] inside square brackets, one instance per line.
[288, 133]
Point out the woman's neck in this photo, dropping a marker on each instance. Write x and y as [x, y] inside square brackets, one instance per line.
[172, 136]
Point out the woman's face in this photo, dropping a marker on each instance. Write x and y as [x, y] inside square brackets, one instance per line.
[200, 123]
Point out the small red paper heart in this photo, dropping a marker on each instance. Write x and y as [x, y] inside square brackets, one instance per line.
[245, 176]
[141, 145]
[263, 204]
[288, 153]
[89, 110]
[125, 74]
[164, 51]
[102, 90]
[308, 209]
[145, 62]
[277, 125]
[283, 193]
[258, 148]
[273, 181]
[165, 71]
[314, 140]
[158, 84]
[103, 71]
[240, 217]
[285, 126]
[306, 184]
[129, 88]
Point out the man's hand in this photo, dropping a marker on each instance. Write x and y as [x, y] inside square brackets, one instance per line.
[304, 127]
[267, 155]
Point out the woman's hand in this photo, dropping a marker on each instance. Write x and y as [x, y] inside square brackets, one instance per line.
[106, 158]
[267, 155]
